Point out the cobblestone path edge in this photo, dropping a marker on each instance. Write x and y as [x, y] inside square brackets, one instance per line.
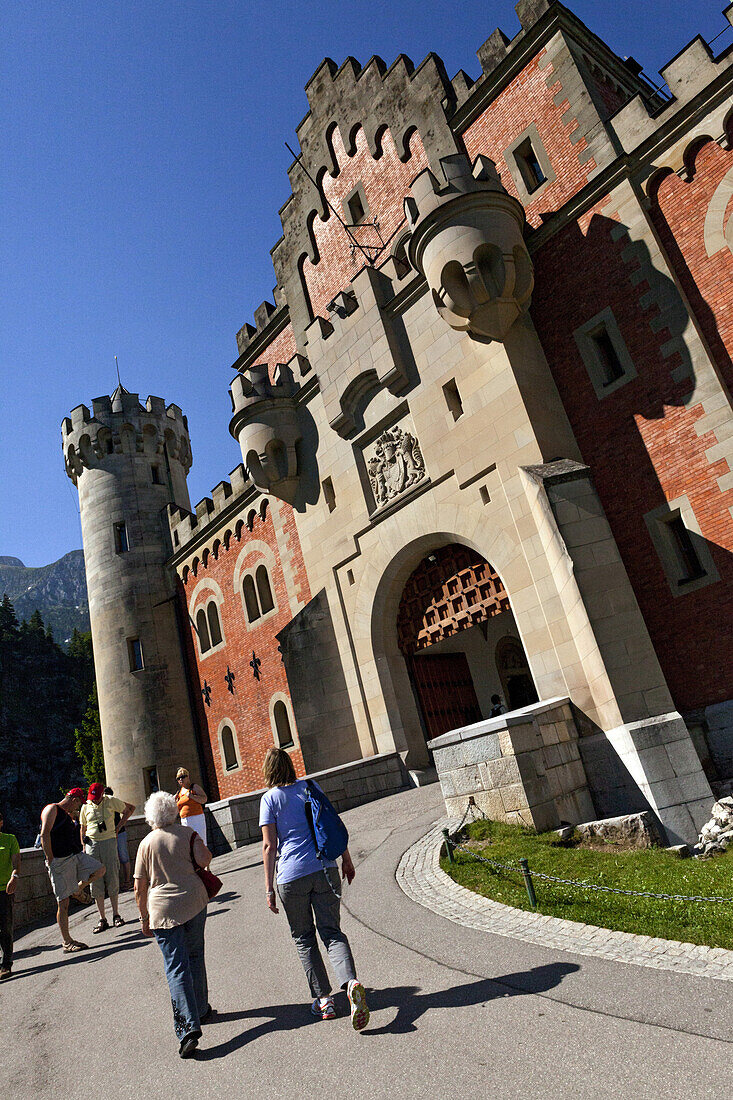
[422, 879]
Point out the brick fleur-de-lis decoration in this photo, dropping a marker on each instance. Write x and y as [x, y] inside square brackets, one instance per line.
[230, 678]
[255, 665]
[206, 692]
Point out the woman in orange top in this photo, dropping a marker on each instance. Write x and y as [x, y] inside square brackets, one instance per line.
[191, 801]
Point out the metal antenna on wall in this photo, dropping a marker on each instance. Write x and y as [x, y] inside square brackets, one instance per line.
[377, 249]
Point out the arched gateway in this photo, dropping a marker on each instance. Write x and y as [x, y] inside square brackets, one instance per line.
[455, 629]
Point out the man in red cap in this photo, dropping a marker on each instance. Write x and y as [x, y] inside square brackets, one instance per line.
[69, 868]
[99, 834]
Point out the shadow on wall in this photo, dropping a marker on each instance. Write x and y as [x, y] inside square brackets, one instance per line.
[635, 426]
[318, 691]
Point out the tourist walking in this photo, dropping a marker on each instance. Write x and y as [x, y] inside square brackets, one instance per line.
[123, 852]
[191, 800]
[9, 871]
[99, 834]
[69, 867]
[309, 890]
[172, 901]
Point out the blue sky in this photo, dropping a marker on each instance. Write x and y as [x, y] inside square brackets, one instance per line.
[142, 169]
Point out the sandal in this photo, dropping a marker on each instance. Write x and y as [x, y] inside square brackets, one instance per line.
[72, 946]
[117, 921]
[101, 927]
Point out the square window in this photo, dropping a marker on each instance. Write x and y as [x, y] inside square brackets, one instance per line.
[122, 543]
[683, 551]
[529, 166]
[356, 209]
[355, 206]
[604, 353]
[135, 653]
[150, 781]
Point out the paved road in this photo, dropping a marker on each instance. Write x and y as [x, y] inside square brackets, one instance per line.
[455, 1012]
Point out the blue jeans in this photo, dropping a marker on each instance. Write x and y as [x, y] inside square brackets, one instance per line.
[182, 948]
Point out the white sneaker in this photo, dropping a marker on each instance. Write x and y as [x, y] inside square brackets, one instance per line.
[324, 1008]
[359, 1010]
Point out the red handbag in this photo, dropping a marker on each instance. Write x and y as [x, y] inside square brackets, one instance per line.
[212, 883]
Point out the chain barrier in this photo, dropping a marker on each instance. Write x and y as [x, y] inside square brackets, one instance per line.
[522, 868]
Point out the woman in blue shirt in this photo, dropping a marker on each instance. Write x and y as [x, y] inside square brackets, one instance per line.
[308, 889]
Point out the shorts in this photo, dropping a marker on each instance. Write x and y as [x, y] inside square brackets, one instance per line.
[105, 852]
[122, 849]
[67, 872]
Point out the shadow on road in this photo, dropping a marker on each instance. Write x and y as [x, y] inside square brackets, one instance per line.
[409, 1001]
[126, 942]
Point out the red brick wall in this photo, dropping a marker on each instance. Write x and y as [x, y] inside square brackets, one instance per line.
[386, 185]
[247, 709]
[280, 350]
[679, 216]
[528, 99]
[642, 447]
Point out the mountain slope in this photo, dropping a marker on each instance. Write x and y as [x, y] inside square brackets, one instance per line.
[58, 591]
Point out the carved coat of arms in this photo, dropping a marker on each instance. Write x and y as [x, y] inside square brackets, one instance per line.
[397, 463]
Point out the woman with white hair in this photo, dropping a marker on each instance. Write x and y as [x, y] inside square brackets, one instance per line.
[172, 901]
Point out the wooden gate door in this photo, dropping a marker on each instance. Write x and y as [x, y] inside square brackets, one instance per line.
[445, 691]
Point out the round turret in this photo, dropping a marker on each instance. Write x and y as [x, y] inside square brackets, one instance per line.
[129, 462]
[467, 240]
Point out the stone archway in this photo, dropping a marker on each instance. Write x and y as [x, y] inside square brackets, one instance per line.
[452, 612]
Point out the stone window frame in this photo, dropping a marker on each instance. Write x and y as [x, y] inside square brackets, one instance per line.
[206, 584]
[267, 558]
[238, 767]
[583, 336]
[281, 697]
[540, 152]
[657, 521]
[346, 209]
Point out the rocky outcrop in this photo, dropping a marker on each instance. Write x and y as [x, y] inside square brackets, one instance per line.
[58, 591]
[632, 830]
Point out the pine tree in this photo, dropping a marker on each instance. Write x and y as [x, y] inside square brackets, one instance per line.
[88, 742]
[8, 620]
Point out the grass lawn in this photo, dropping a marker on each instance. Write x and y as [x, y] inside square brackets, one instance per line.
[650, 869]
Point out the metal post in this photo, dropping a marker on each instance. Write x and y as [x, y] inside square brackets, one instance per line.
[449, 850]
[524, 864]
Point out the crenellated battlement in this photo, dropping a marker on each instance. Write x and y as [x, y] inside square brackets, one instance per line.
[185, 525]
[688, 73]
[120, 424]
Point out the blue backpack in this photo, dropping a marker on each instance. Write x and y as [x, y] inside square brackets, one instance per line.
[329, 832]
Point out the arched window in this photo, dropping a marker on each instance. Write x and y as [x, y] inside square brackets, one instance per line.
[263, 589]
[250, 598]
[212, 613]
[202, 630]
[229, 749]
[282, 725]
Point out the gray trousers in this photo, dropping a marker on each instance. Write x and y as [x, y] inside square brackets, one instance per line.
[310, 899]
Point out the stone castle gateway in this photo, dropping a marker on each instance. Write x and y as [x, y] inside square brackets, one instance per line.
[485, 426]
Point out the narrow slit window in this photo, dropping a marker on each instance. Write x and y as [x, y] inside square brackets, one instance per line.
[401, 262]
[611, 366]
[529, 165]
[135, 652]
[329, 494]
[202, 629]
[263, 589]
[357, 213]
[155, 472]
[691, 568]
[250, 599]
[453, 399]
[230, 752]
[212, 613]
[282, 725]
[122, 543]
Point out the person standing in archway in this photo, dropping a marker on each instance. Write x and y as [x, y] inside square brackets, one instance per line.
[191, 800]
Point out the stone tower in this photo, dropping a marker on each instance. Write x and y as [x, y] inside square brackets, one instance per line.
[129, 462]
